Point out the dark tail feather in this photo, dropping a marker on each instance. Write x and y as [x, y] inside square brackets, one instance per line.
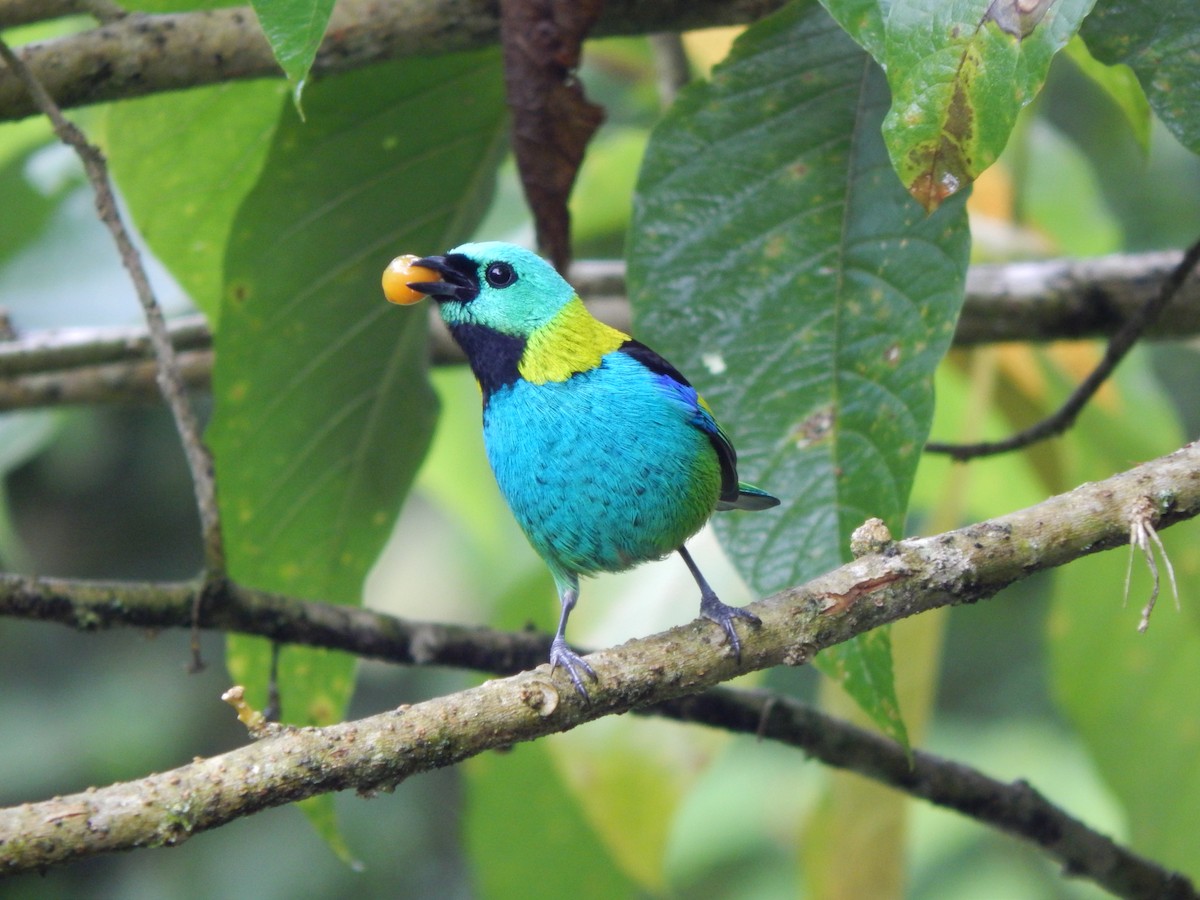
[749, 497]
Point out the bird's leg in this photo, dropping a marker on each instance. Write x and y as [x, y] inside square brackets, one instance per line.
[712, 608]
[560, 653]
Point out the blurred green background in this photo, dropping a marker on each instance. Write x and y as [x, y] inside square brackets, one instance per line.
[666, 809]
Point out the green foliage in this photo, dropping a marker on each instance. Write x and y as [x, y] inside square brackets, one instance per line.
[570, 860]
[959, 73]
[1120, 84]
[766, 208]
[294, 29]
[33, 205]
[1158, 41]
[185, 211]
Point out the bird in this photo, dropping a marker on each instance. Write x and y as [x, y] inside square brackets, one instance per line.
[606, 454]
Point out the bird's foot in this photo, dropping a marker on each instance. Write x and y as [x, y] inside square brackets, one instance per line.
[576, 666]
[723, 614]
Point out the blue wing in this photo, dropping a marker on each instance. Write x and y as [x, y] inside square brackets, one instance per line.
[734, 494]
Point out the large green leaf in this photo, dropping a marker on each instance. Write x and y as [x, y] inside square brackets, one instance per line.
[960, 72]
[184, 162]
[323, 410]
[1160, 41]
[777, 261]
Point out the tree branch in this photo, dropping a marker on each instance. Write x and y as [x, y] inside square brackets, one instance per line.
[98, 365]
[1016, 808]
[1120, 344]
[905, 578]
[226, 607]
[1032, 301]
[145, 54]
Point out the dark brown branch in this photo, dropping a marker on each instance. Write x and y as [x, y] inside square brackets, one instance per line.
[170, 382]
[1033, 301]
[1016, 808]
[94, 605]
[903, 579]
[145, 54]
[1121, 343]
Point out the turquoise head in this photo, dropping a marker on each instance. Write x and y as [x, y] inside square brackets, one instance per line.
[495, 285]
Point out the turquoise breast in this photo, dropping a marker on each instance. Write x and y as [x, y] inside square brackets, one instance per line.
[604, 470]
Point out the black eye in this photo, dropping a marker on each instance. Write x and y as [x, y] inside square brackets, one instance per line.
[500, 274]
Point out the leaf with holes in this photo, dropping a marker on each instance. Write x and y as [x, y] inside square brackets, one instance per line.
[775, 259]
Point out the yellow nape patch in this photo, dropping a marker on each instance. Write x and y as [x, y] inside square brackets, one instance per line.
[572, 342]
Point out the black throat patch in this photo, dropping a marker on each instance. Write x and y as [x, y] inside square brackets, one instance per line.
[493, 356]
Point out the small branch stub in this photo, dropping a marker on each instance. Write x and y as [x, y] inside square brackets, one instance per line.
[872, 536]
[256, 723]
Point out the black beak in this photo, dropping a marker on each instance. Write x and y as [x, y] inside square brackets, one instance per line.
[459, 281]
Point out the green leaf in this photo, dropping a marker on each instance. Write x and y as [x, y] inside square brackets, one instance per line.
[959, 72]
[863, 667]
[322, 815]
[1158, 40]
[184, 162]
[556, 847]
[294, 29]
[1120, 84]
[776, 260]
[863, 20]
[323, 410]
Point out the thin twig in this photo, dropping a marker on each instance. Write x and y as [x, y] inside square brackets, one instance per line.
[169, 380]
[1118, 346]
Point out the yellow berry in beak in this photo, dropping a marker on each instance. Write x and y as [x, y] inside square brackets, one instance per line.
[399, 274]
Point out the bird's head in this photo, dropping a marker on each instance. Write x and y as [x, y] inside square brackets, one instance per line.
[497, 285]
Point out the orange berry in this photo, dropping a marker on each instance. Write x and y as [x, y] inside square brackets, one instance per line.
[397, 276]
